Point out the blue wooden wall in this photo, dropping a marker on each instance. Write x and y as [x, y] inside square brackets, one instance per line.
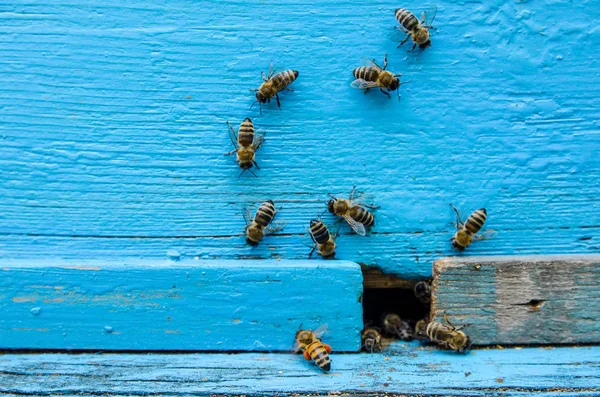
[113, 127]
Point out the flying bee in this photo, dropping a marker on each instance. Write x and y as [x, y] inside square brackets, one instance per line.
[246, 143]
[415, 29]
[356, 216]
[371, 340]
[465, 233]
[422, 291]
[272, 85]
[393, 325]
[322, 239]
[255, 229]
[368, 77]
[312, 347]
[444, 334]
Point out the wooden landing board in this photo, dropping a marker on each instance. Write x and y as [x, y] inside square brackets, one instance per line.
[521, 300]
[188, 305]
[510, 372]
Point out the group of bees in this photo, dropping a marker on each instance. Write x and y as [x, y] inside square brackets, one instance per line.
[246, 142]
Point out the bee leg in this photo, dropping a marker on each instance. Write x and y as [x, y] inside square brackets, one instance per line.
[327, 347]
[289, 89]
[385, 92]
[366, 90]
[352, 192]
[230, 153]
[264, 77]
[256, 165]
[385, 62]
[306, 355]
[312, 251]
[373, 207]
[459, 223]
[278, 103]
[413, 47]
[404, 41]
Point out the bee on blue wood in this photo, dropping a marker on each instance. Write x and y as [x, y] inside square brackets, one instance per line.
[322, 239]
[371, 340]
[355, 215]
[422, 292]
[256, 229]
[245, 144]
[417, 30]
[272, 85]
[368, 77]
[466, 232]
[444, 334]
[394, 326]
[312, 348]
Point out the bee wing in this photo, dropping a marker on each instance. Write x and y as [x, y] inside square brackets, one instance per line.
[320, 331]
[362, 84]
[296, 347]
[358, 227]
[232, 135]
[428, 16]
[486, 235]
[258, 140]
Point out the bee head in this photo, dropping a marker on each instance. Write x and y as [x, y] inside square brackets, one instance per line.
[395, 84]
[304, 337]
[246, 165]
[461, 342]
[330, 205]
[260, 97]
[425, 44]
[251, 242]
[421, 287]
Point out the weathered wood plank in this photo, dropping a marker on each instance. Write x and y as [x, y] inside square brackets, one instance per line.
[188, 305]
[113, 126]
[521, 300]
[510, 372]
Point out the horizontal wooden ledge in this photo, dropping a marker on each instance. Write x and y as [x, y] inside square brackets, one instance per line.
[546, 299]
[406, 370]
[187, 305]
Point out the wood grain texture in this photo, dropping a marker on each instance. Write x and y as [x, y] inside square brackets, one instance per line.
[543, 372]
[187, 305]
[521, 300]
[113, 127]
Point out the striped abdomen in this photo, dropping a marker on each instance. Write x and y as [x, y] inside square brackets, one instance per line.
[319, 232]
[361, 215]
[283, 79]
[438, 332]
[318, 353]
[476, 220]
[367, 73]
[265, 213]
[407, 19]
[246, 133]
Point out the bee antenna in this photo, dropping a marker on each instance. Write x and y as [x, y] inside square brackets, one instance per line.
[300, 326]
[253, 173]
[405, 82]
[252, 104]
[241, 173]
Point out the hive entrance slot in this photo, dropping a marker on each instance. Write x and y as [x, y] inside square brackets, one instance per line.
[385, 293]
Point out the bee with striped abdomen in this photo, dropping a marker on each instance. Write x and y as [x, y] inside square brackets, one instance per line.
[272, 84]
[415, 29]
[466, 232]
[322, 239]
[368, 77]
[371, 340]
[445, 335]
[357, 217]
[255, 229]
[312, 347]
[394, 326]
[422, 291]
[246, 143]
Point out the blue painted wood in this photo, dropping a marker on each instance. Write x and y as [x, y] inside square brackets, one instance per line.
[187, 305]
[407, 370]
[113, 127]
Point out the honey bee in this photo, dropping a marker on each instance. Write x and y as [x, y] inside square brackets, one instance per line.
[356, 216]
[444, 334]
[393, 325]
[312, 347]
[368, 77]
[465, 233]
[415, 29]
[272, 85]
[422, 292]
[246, 143]
[255, 229]
[371, 340]
[322, 239]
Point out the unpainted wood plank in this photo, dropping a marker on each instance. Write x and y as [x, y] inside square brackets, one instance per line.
[187, 305]
[520, 299]
[113, 125]
[405, 370]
